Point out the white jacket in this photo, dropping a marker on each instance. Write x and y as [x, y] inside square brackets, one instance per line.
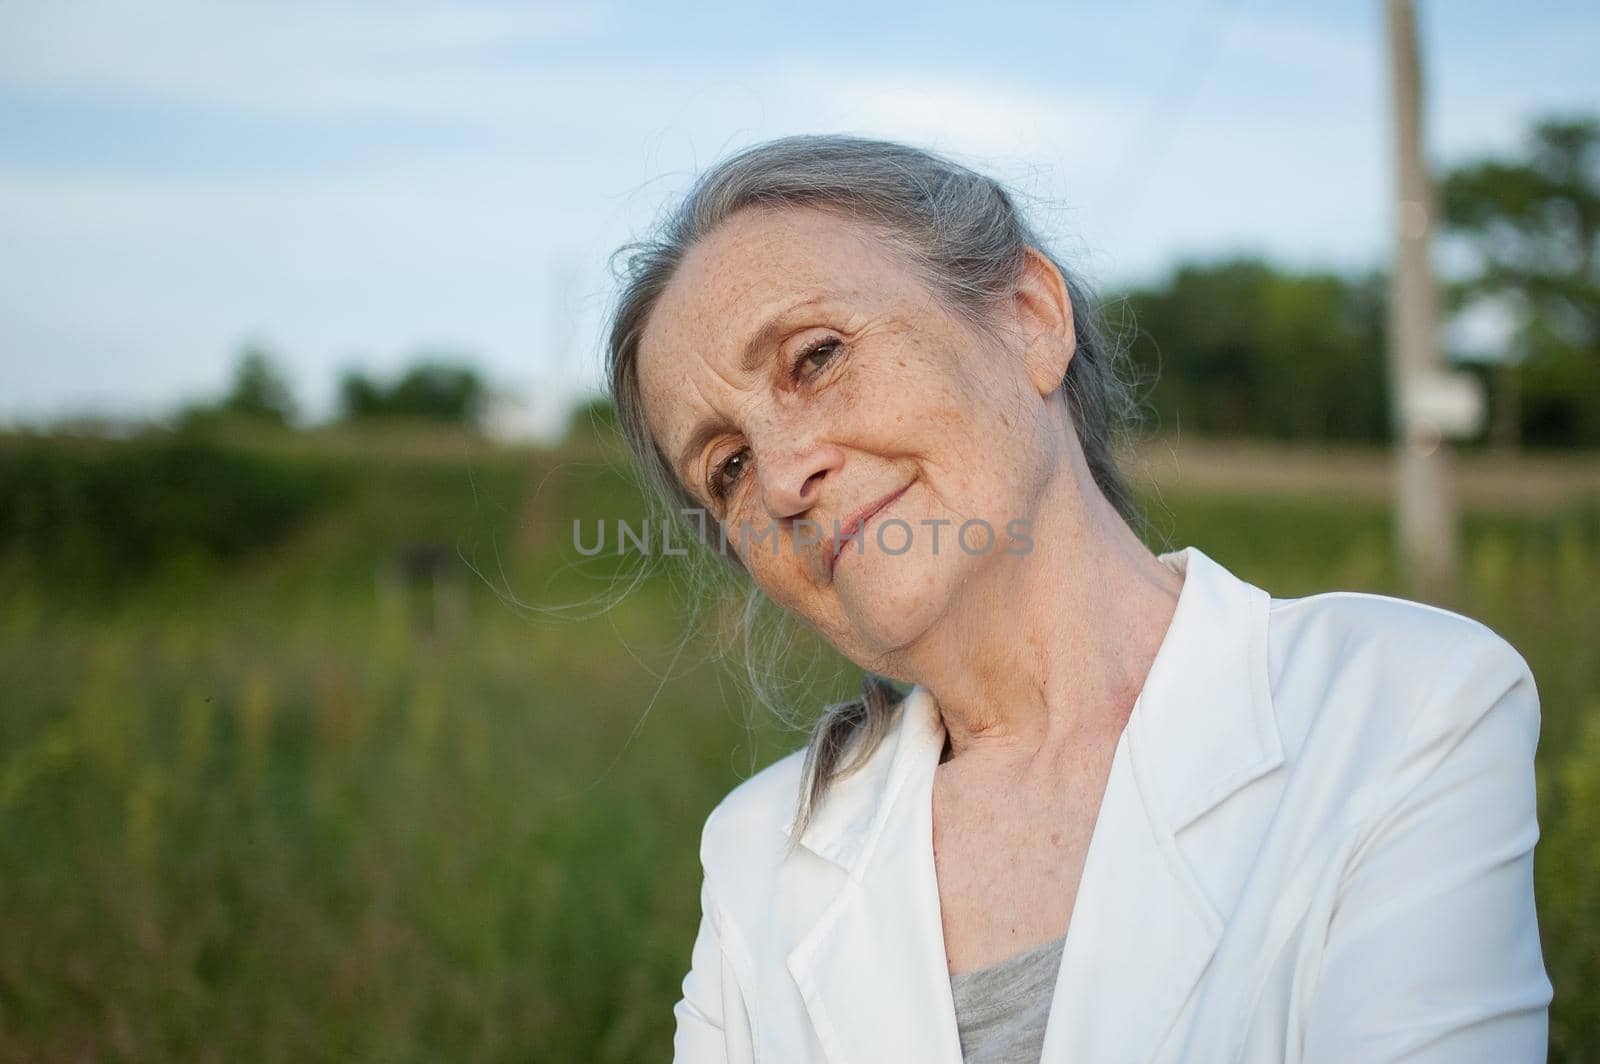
[1315, 845]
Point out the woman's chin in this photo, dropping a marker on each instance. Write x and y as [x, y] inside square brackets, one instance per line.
[889, 600]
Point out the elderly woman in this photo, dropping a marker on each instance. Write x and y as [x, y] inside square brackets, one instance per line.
[1132, 807]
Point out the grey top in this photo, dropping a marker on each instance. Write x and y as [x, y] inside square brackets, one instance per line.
[1001, 1010]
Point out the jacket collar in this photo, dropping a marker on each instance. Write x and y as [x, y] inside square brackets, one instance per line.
[1142, 929]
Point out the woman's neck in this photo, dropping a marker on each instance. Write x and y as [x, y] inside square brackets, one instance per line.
[1049, 650]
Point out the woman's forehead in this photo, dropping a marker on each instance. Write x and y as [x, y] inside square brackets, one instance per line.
[759, 262]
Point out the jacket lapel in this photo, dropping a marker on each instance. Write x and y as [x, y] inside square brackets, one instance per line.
[872, 969]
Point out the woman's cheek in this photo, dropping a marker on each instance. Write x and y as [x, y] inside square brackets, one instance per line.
[776, 573]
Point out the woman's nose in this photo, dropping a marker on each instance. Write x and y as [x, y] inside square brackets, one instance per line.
[792, 481]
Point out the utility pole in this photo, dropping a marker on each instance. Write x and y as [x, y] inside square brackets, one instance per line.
[1427, 404]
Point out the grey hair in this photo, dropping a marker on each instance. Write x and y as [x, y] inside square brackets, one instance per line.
[965, 237]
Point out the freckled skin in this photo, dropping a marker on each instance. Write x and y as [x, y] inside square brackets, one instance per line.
[913, 397]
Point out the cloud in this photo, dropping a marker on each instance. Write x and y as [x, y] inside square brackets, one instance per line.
[979, 116]
[324, 59]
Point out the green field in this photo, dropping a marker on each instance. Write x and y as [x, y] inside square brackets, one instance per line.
[253, 809]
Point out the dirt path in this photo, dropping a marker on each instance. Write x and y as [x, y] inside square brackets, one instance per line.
[1523, 482]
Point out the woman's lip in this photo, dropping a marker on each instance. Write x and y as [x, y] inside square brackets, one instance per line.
[835, 547]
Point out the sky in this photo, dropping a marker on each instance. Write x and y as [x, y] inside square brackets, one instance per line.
[353, 185]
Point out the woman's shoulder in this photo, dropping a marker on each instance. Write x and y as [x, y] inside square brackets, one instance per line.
[1384, 634]
[748, 828]
[1385, 673]
[765, 801]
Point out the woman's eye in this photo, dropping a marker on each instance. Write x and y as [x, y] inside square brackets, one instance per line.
[727, 471]
[814, 357]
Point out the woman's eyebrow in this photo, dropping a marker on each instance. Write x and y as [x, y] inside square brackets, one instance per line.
[755, 349]
[703, 432]
[754, 354]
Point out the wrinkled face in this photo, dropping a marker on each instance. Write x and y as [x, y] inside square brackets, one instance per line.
[805, 383]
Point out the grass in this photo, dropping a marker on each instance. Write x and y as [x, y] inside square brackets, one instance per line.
[248, 811]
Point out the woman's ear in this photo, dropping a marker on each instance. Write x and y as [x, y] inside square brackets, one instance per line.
[1044, 311]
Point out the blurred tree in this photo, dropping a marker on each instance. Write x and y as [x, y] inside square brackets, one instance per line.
[359, 396]
[436, 391]
[431, 390]
[1532, 224]
[1238, 347]
[260, 390]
